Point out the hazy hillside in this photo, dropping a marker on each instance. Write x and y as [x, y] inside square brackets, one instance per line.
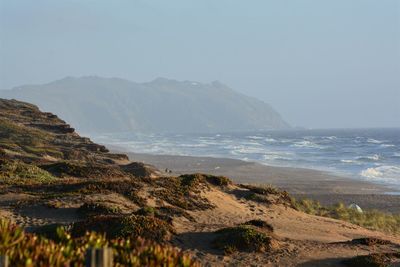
[98, 105]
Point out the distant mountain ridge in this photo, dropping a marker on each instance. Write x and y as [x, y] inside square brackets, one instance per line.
[106, 105]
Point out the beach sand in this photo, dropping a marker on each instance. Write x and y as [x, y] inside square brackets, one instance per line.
[327, 188]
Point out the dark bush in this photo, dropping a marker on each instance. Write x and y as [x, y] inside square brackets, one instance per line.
[370, 241]
[92, 209]
[132, 226]
[372, 260]
[82, 170]
[260, 224]
[242, 238]
[183, 192]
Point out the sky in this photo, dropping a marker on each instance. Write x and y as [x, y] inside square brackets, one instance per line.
[320, 64]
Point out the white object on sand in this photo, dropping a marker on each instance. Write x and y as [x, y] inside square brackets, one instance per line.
[354, 206]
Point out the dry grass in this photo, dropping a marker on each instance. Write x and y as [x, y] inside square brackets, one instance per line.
[372, 219]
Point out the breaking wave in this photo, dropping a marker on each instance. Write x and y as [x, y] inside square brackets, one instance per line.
[374, 157]
[389, 174]
[306, 144]
[374, 141]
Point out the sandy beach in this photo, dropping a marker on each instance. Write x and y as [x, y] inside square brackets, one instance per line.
[325, 187]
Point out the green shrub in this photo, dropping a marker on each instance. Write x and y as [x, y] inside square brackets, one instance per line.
[133, 226]
[92, 209]
[183, 192]
[127, 188]
[242, 238]
[370, 241]
[66, 187]
[25, 140]
[310, 206]
[146, 211]
[191, 181]
[372, 260]
[174, 212]
[18, 172]
[260, 224]
[82, 169]
[262, 189]
[165, 213]
[218, 180]
[267, 194]
[257, 198]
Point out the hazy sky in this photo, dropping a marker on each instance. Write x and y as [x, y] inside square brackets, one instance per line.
[319, 63]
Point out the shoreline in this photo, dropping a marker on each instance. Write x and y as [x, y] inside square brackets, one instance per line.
[292, 179]
[325, 187]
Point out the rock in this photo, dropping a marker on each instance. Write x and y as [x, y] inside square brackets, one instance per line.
[355, 207]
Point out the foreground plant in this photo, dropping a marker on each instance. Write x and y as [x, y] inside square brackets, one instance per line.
[24, 249]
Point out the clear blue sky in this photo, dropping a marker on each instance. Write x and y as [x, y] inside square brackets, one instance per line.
[319, 63]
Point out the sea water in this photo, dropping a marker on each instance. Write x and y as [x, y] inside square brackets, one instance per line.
[368, 154]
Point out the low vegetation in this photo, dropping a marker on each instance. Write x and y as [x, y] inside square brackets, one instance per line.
[18, 172]
[372, 219]
[242, 238]
[260, 224]
[165, 213]
[267, 194]
[82, 170]
[370, 241]
[133, 226]
[93, 209]
[218, 180]
[26, 249]
[25, 140]
[265, 190]
[192, 181]
[183, 191]
[373, 260]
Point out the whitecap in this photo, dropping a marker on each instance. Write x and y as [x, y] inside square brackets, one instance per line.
[348, 161]
[374, 157]
[330, 137]
[247, 150]
[387, 145]
[374, 141]
[193, 145]
[209, 142]
[389, 174]
[249, 143]
[255, 137]
[307, 144]
[275, 156]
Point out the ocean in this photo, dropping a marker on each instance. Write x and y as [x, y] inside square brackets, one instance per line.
[367, 154]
